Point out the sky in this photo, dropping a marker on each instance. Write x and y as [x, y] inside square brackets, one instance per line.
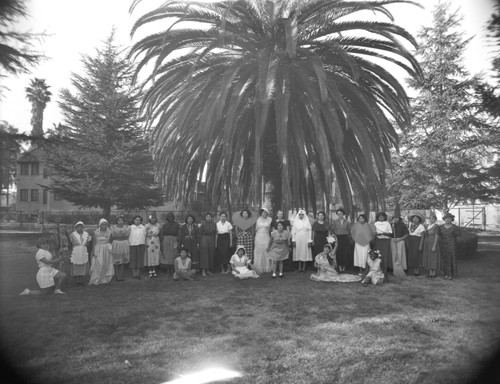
[76, 27]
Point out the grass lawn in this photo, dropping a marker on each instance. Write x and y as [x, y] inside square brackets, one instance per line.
[289, 330]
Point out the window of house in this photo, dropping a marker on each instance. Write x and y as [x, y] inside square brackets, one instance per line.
[35, 169]
[23, 195]
[45, 172]
[34, 195]
[45, 194]
[25, 169]
[57, 196]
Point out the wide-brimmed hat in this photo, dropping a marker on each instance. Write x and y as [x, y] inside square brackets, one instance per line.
[419, 215]
[448, 214]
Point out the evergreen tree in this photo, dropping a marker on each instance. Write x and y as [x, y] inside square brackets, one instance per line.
[100, 157]
[446, 153]
[9, 148]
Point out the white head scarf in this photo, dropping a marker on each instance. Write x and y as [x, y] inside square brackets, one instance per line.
[299, 223]
[79, 223]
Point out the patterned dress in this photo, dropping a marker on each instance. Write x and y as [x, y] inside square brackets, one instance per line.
[430, 259]
[279, 248]
[245, 238]
[120, 248]
[152, 255]
[448, 247]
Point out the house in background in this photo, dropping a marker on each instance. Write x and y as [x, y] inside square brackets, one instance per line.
[33, 183]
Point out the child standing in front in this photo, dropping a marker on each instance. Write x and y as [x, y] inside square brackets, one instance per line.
[375, 274]
[182, 267]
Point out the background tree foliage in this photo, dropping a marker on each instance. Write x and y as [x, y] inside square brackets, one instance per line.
[100, 157]
[282, 92]
[448, 151]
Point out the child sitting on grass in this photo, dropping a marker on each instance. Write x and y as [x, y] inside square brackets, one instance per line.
[182, 267]
[47, 275]
[375, 274]
[240, 265]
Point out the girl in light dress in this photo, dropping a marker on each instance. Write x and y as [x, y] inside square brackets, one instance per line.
[120, 248]
[375, 274]
[261, 262]
[240, 265]
[101, 270]
[278, 248]
[327, 264]
[137, 243]
[152, 256]
[302, 240]
[182, 267]
[79, 254]
[47, 275]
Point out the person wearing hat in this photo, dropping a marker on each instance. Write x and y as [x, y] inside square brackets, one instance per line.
[383, 241]
[341, 228]
[102, 269]
[326, 264]
[120, 247]
[79, 254]
[449, 234]
[416, 229]
[431, 252]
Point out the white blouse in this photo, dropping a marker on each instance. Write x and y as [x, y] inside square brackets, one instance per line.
[224, 228]
[137, 235]
[418, 231]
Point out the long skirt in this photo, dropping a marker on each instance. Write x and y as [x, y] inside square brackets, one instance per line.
[302, 250]
[344, 254]
[79, 269]
[414, 255]
[246, 240]
[222, 253]
[207, 252]
[152, 255]
[398, 250]
[191, 245]
[361, 255]
[319, 242]
[102, 270]
[137, 256]
[430, 260]
[384, 246]
[262, 263]
[170, 252]
[120, 249]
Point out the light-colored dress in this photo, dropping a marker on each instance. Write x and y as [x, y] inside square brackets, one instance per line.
[376, 275]
[241, 265]
[152, 256]
[120, 248]
[46, 273]
[102, 270]
[362, 234]
[261, 261]
[184, 270]
[327, 272]
[301, 235]
[279, 250]
[79, 254]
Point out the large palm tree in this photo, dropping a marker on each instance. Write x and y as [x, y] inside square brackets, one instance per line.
[291, 92]
[39, 95]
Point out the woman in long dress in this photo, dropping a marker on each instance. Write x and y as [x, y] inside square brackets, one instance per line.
[414, 242]
[245, 236]
[302, 240]
[261, 262]
[278, 248]
[79, 254]
[102, 269]
[208, 230]
[430, 249]
[362, 233]
[398, 246]
[169, 237]
[152, 256]
[341, 228]
[448, 242]
[189, 239]
[223, 243]
[326, 264]
[120, 248]
[320, 233]
[383, 240]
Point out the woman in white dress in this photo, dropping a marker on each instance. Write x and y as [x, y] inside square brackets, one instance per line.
[302, 240]
[102, 269]
[262, 263]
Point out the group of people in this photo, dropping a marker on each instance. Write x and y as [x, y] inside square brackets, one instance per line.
[249, 248]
